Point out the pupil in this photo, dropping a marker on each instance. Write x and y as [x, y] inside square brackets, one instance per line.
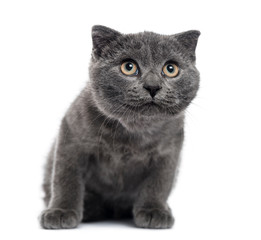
[170, 68]
[129, 66]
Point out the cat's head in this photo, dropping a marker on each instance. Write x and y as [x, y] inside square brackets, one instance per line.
[144, 74]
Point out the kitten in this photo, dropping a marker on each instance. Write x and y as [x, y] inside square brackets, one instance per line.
[118, 147]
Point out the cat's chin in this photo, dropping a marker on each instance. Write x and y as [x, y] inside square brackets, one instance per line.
[138, 118]
[147, 116]
[147, 121]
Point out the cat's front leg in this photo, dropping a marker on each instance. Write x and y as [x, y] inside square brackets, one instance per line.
[65, 208]
[150, 208]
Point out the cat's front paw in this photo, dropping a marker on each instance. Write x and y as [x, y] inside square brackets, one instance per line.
[153, 218]
[56, 218]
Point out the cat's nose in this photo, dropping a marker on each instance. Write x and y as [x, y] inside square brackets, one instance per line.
[152, 89]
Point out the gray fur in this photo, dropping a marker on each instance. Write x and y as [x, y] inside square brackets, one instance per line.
[117, 153]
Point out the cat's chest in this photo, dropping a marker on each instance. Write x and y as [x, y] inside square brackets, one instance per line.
[122, 169]
[125, 159]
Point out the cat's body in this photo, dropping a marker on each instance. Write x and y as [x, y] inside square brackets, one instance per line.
[118, 148]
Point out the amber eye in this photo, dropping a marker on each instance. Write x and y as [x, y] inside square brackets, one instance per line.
[170, 70]
[129, 68]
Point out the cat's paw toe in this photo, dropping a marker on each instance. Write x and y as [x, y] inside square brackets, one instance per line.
[153, 218]
[56, 218]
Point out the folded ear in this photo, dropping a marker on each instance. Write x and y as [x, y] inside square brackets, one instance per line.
[188, 41]
[101, 37]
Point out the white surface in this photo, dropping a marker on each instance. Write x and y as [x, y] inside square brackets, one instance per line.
[44, 53]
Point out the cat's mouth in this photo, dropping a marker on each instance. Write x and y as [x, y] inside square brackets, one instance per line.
[153, 107]
[150, 103]
[150, 106]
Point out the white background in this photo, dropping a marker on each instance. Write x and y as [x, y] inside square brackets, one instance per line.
[45, 49]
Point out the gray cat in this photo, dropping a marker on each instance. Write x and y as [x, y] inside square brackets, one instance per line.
[118, 147]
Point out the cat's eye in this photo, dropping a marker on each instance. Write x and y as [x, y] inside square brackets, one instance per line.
[170, 70]
[129, 68]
